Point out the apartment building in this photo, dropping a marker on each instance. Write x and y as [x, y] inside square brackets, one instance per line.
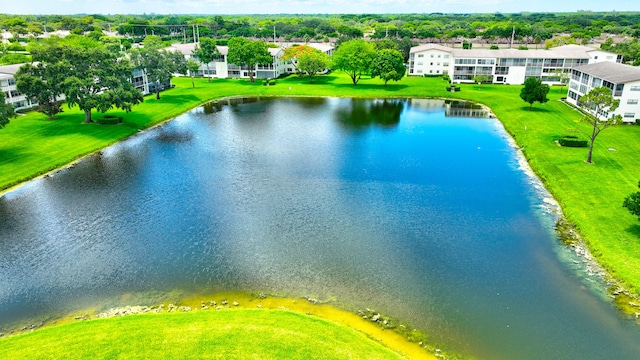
[508, 66]
[222, 69]
[8, 86]
[623, 80]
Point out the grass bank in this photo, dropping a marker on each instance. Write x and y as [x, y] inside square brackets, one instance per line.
[236, 334]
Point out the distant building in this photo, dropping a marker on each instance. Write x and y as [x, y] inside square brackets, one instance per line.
[8, 86]
[623, 80]
[222, 69]
[508, 66]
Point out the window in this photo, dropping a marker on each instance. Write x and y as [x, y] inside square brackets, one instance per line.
[430, 71]
[431, 55]
[11, 81]
[632, 102]
[420, 55]
[419, 71]
[635, 88]
[439, 55]
[438, 64]
[629, 115]
[465, 61]
[419, 63]
[445, 64]
[573, 95]
[446, 56]
[431, 64]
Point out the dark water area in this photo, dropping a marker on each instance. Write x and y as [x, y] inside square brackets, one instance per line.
[414, 208]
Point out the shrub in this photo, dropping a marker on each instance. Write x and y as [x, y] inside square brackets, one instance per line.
[268, 82]
[110, 120]
[572, 141]
[446, 78]
[494, 47]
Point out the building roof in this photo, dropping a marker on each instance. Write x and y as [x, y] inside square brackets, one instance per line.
[426, 47]
[561, 52]
[10, 69]
[187, 49]
[612, 72]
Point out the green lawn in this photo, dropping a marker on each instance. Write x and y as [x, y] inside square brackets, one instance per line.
[230, 334]
[591, 195]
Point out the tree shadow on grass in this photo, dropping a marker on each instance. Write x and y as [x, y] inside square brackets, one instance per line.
[378, 87]
[172, 99]
[11, 154]
[634, 230]
[535, 109]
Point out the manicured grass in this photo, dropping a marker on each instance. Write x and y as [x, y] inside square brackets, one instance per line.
[591, 195]
[229, 334]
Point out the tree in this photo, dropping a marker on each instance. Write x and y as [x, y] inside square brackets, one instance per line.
[480, 78]
[354, 57]
[42, 84]
[94, 77]
[534, 90]
[249, 53]
[388, 65]
[6, 111]
[207, 52]
[157, 64]
[562, 76]
[599, 101]
[192, 66]
[632, 203]
[312, 63]
[292, 54]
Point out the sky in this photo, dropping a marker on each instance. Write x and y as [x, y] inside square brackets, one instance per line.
[225, 7]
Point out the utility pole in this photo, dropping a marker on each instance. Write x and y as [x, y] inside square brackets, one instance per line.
[274, 34]
[513, 35]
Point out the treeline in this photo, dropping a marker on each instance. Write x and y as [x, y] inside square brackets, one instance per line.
[543, 29]
[496, 27]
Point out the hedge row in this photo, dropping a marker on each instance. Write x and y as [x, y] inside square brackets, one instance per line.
[573, 141]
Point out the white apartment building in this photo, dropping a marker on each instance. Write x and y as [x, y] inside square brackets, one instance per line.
[430, 60]
[623, 80]
[8, 86]
[221, 69]
[508, 66]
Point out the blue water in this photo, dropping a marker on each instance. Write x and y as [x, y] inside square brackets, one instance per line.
[390, 205]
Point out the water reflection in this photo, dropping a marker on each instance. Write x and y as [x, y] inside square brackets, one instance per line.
[360, 113]
[433, 223]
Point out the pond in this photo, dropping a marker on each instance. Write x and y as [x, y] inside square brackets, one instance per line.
[415, 208]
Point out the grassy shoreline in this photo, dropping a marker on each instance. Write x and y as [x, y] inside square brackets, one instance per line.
[230, 333]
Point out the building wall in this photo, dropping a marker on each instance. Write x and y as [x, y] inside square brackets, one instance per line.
[429, 62]
[12, 95]
[628, 94]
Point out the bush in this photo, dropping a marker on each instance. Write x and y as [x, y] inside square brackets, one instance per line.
[268, 82]
[494, 47]
[573, 141]
[110, 120]
[446, 78]
[16, 46]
